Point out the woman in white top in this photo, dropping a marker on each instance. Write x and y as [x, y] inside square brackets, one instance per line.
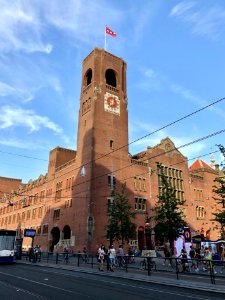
[112, 257]
[101, 256]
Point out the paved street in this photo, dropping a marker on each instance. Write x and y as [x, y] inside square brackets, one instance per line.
[24, 281]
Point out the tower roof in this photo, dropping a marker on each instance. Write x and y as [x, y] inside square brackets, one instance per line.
[199, 164]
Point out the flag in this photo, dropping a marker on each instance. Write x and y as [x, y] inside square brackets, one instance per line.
[109, 31]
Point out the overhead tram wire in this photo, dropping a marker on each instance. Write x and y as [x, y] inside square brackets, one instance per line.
[155, 156]
[157, 130]
[25, 156]
[141, 174]
[143, 137]
[158, 155]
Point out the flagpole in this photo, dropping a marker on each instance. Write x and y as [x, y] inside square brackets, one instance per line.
[105, 38]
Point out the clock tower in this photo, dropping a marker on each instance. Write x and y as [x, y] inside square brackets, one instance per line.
[102, 142]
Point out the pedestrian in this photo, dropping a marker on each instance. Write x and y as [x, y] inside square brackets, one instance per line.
[39, 253]
[112, 257]
[85, 256]
[184, 260]
[66, 255]
[192, 255]
[209, 258]
[101, 256]
[120, 256]
[36, 253]
[167, 253]
[32, 255]
[222, 257]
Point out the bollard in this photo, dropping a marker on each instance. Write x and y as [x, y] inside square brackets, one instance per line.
[177, 270]
[78, 260]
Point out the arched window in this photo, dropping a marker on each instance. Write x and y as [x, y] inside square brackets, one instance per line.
[110, 77]
[88, 77]
[67, 232]
[55, 232]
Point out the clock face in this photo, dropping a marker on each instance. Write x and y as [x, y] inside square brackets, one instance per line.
[112, 103]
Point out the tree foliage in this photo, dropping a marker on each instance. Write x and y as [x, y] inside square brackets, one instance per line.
[169, 216]
[120, 212]
[219, 192]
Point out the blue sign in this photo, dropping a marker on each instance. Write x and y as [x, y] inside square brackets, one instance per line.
[29, 232]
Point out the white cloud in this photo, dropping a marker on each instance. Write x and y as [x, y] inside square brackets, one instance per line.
[80, 18]
[203, 21]
[151, 80]
[14, 92]
[189, 95]
[22, 144]
[21, 28]
[6, 89]
[14, 117]
[181, 8]
[155, 139]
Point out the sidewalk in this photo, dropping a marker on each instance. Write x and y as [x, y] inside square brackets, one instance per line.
[191, 283]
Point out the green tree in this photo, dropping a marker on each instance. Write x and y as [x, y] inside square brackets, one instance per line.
[219, 191]
[120, 212]
[169, 216]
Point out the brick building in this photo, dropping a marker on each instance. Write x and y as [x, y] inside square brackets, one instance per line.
[68, 205]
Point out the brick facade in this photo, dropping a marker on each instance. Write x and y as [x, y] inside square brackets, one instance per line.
[68, 205]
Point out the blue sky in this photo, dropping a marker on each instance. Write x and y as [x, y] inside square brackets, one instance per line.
[175, 56]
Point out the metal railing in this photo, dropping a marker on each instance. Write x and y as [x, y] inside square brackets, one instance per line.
[138, 264]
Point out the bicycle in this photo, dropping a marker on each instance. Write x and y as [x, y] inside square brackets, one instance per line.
[144, 264]
[120, 262]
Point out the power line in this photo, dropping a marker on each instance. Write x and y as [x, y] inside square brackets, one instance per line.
[149, 158]
[104, 196]
[138, 139]
[25, 156]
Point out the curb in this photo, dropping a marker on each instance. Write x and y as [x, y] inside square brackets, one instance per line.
[149, 279]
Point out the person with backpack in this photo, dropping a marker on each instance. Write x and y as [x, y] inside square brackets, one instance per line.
[192, 255]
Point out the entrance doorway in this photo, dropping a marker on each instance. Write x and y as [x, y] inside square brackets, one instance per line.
[55, 237]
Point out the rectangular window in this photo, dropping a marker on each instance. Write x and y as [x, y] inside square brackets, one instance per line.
[23, 216]
[18, 218]
[144, 184]
[200, 212]
[111, 144]
[135, 183]
[28, 215]
[40, 211]
[109, 204]
[42, 196]
[174, 179]
[111, 181]
[140, 204]
[38, 230]
[30, 201]
[45, 229]
[56, 214]
[58, 193]
[36, 198]
[140, 183]
[34, 213]
[72, 182]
